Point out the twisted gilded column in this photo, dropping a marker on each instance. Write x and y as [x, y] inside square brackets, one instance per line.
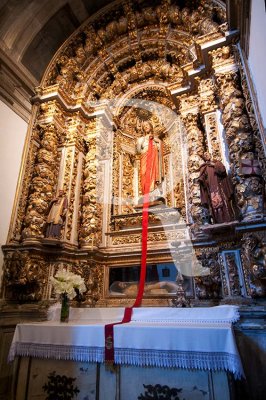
[240, 138]
[41, 189]
[210, 118]
[90, 230]
[70, 175]
[195, 150]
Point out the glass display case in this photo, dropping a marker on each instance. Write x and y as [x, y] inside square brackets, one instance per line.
[160, 281]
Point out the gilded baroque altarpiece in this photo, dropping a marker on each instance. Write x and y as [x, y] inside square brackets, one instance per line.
[178, 68]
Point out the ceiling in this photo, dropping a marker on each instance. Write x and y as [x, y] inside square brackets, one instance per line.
[31, 31]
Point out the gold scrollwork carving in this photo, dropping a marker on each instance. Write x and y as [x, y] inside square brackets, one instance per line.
[41, 187]
[29, 168]
[152, 237]
[253, 254]
[209, 286]
[25, 276]
[195, 151]
[91, 209]
[72, 195]
[240, 138]
[127, 183]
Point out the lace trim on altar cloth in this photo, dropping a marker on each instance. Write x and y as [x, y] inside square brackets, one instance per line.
[57, 352]
[181, 359]
[149, 358]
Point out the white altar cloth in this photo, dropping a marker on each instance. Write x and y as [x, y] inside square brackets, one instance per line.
[194, 338]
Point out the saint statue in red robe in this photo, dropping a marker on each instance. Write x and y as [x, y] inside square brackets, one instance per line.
[156, 170]
[216, 190]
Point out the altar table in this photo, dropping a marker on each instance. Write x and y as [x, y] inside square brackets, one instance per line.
[186, 349]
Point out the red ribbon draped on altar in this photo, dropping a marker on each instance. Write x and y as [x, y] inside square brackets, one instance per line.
[109, 328]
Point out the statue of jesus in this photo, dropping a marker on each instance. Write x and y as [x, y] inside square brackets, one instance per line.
[156, 170]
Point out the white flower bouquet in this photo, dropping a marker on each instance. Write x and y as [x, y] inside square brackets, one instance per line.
[67, 283]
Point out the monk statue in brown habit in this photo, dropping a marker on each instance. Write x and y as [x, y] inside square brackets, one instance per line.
[56, 216]
[216, 190]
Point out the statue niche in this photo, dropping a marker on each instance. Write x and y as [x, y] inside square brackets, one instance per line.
[130, 150]
[156, 172]
[216, 191]
[56, 215]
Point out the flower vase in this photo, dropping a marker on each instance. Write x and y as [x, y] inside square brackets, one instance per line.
[64, 308]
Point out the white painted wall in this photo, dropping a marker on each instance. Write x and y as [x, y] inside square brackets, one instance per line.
[12, 136]
[257, 53]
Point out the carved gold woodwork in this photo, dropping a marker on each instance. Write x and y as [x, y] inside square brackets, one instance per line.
[41, 190]
[97, 280]
[52, 112]
[153, 52]
[92, 274]
[158, 216]
[233, 275]
[71, 187]
[74, 131]
[223, 57]
[146, 302]
[253, 254]
[127, 183]
[48, 110]
[209, 286]
[240, 137]
[176, 146]
[195, 145]
[115, 175]
[29, 167]
[206, 89]
[91, 208]
[73, 142]
[153, 237]
[25, 276]
[208, 107]
[145, 25]
[258, 141]
[212, 132]
[167, 182]
[189, 104]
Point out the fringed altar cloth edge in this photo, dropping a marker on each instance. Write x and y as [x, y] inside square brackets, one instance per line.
[204, 361]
